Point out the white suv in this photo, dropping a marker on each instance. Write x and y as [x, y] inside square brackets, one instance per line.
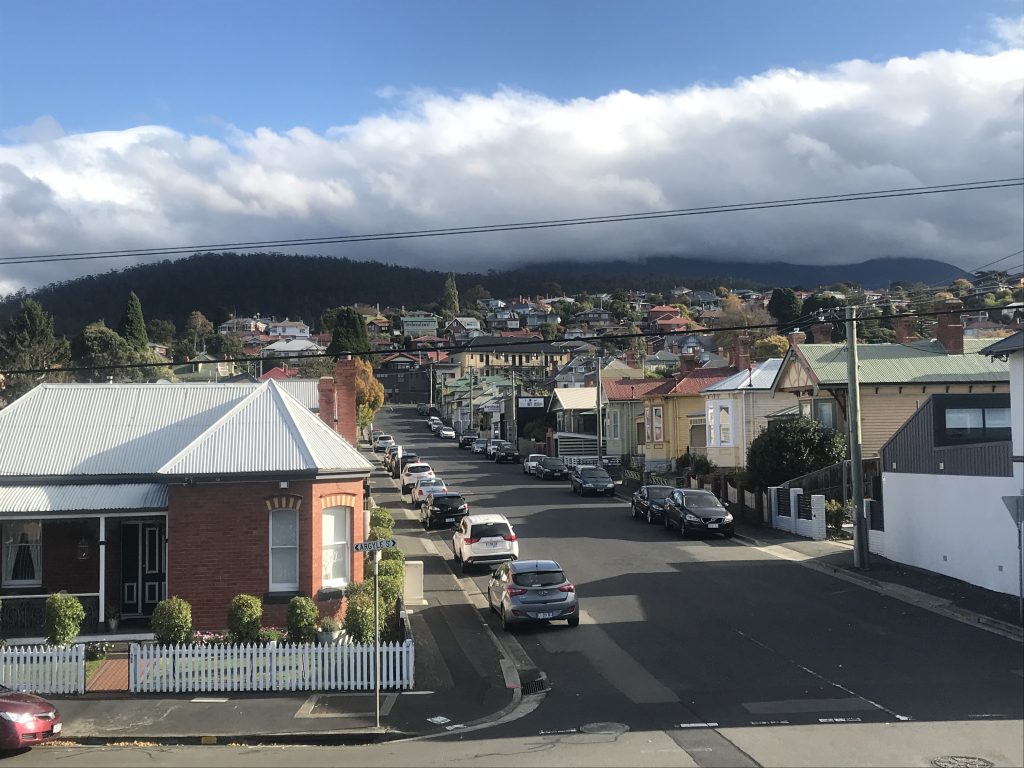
[382, 442]
[530, 462]
[487, 539]
[412, 472]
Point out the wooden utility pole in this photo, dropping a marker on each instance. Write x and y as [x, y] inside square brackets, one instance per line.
[860, 528]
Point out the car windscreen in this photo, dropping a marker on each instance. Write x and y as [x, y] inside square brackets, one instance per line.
[449, 501]
[553, 464]
[415, 469]
[489, 530]
[536, 457]
[595, 474]
[539, 578]
[701, 501]
[430, 482]
[659, 492]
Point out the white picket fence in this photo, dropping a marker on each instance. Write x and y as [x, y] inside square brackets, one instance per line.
[43, 668]
[306, 667]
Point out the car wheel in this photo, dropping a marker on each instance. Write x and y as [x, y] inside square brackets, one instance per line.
[574, 621]
[490, 605]
[665, 520]
[465, 566]
[728, 534]
[682, 529]
[609, 494]
[506, 625]
[649, 517]
[632, 510]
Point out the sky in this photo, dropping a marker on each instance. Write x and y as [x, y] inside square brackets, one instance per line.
[135, 125]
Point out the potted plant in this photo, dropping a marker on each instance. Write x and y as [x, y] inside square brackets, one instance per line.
[113, 612]
[328, 631]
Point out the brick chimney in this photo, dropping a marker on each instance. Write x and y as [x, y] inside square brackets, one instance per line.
[949, 329]
[345, 395]
[328, 409]
[795, 337]
[687, 363]
[822, 333]
[631, 358]
[741, 356]
[904, 328]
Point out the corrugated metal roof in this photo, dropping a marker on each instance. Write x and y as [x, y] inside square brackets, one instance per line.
[82, 498]
[916, 362]
[761, 377]
[1014, 343]
[306, 391]
[278, 434]
[575, 398]
[135, 429]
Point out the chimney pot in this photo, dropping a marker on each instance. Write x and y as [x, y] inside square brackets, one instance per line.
[795, 337]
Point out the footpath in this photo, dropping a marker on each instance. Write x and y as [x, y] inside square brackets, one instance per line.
[462, 680]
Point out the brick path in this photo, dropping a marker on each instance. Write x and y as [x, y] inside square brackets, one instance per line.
[111, 676]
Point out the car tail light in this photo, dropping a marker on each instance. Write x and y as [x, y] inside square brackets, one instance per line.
[510, 537]
[514, 591]
[567, 588]
[469, 540]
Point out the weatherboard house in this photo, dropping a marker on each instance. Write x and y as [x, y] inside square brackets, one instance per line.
[124, 494]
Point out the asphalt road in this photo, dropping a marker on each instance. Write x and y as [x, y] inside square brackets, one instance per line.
[692, 637]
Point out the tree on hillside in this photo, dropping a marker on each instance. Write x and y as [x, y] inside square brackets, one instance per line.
[824, 305]
[161, 331]
[450, 299]
[197, 329]
[27, 342]
[475, 293]
[789, 448]
[348, 333]
[369, 391]
[133, 325]
[721, 291]
[315, 367]
[768, 347]
[101, 351]
[736, 315]
[227, 344]
[784, 305]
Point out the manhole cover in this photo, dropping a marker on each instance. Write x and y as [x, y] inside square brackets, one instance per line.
[960, 761]
[604, 728]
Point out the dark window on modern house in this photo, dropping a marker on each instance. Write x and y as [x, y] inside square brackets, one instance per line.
[965, 419]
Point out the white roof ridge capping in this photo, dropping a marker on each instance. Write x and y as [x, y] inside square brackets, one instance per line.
[267, 431]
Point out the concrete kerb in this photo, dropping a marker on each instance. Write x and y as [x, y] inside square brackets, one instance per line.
[355, 737]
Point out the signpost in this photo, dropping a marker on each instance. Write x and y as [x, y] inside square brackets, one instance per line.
[376, 546]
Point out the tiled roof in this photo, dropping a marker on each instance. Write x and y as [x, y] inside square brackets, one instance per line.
[700, 379]
[278, 373]
[633, 389]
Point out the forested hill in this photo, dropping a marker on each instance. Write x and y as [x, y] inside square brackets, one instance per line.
[220, 284]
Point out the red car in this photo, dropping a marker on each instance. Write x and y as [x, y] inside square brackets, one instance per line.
[26, 720]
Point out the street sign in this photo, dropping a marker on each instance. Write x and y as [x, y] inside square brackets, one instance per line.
[374, 546]
[531, 402]
[1015, 506]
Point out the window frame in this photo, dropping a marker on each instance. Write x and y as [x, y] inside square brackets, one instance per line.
[983, 402]
[282, 586]
[348, 514]
[35, 553]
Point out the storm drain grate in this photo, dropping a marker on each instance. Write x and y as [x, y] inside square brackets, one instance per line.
[961, 761]
[534, 686]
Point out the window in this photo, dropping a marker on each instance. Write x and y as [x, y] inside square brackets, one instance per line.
[710, 426]
[336, 523]
[825, 413]
[724, 426]
[613, 425]
[971, 418]
[657, 430]
[647, 426]
[23, 554]
[284, 550]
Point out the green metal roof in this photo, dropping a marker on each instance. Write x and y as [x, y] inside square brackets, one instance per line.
[917, 362]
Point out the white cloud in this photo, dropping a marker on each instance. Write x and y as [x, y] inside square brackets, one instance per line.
[438, 161]
[1009, 32]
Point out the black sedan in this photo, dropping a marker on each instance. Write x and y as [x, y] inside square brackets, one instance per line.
[443, 508]
[584, 480]
[506, 453]
[648, 502]
[467, 439]
[551, 469]
[694, 511]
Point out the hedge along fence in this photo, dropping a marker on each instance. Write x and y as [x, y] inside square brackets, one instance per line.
[304, 667]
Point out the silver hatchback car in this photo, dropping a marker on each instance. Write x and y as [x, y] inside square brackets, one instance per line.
[532, 590]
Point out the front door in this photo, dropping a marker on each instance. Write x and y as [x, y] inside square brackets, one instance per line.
[143, 567]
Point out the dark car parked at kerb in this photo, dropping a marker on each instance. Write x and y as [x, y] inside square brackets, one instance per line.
[648, 502]
[551, 469]
[507, 453]
[443, 508]
[695, 511]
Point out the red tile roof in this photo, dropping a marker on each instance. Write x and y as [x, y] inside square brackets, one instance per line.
[700, 378]
[634, 389]
[279, 373]
[662, 308]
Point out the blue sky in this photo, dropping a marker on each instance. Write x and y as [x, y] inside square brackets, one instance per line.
[195, 65]
[153, 124]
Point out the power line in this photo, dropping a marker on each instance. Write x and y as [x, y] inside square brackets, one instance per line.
[528, 225]
[489, 348]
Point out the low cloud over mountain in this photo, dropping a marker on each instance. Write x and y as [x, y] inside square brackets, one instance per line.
[440, 161]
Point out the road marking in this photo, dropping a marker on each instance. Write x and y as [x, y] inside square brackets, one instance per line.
[697, 725]
[769, 722]
[202, 700]
[840, 720]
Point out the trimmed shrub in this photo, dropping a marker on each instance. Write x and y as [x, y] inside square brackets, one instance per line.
[63, 619]
[837, 514]
[382, 518]
[386, 555]
[701, 465]
[171, 622]
[302, 620]
[388, 568]
[379, 533]
[244, 616]
[358, 622]
[329, 624]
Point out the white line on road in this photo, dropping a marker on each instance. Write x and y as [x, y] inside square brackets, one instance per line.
[697, 725]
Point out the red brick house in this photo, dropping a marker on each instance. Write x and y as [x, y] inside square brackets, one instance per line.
[124, 494]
